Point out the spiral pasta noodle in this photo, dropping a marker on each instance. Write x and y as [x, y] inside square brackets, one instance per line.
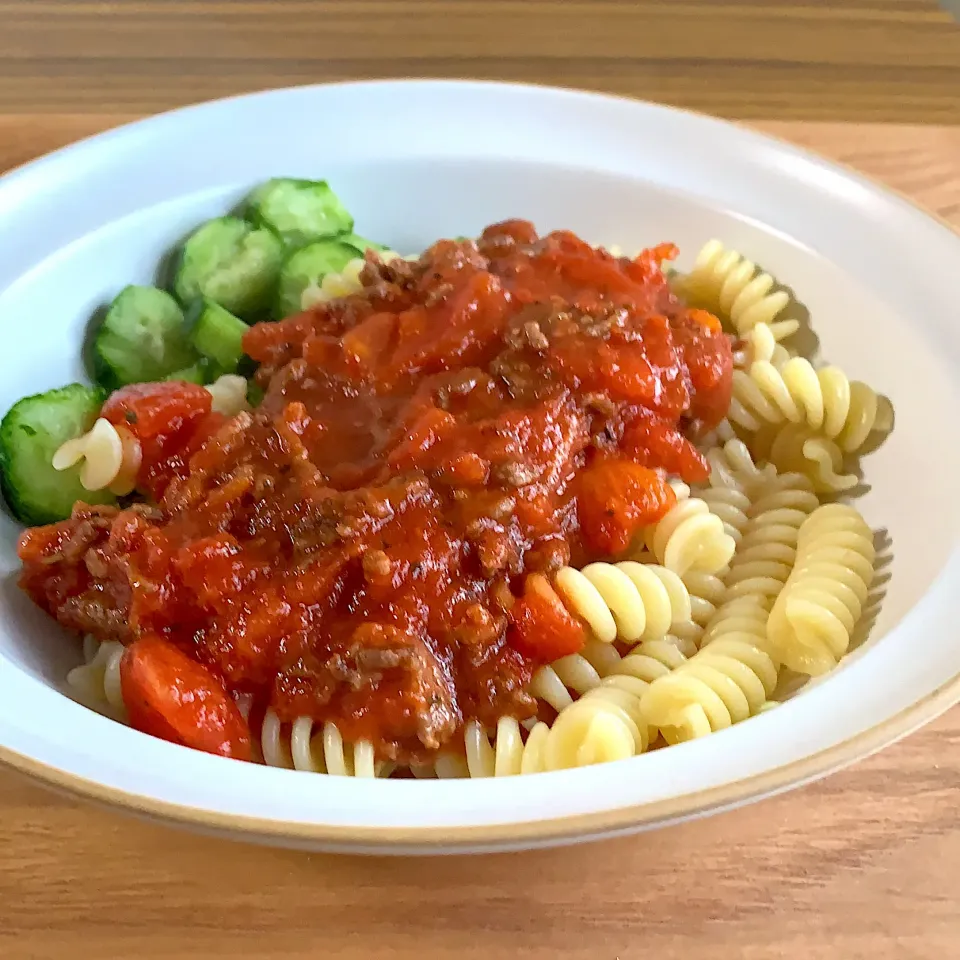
[707, 591]
[843, 410]
[768, 549]
[297, 747]
[796, 448]
[109, 458]
[97, 681]
[744, 616]
[689, 537]
[628, 601]
[730, 505]
[728, 284]
[578, 673]
[725, 683]
[815, 614]
[509, 755]
[603, 726]
[733, 466]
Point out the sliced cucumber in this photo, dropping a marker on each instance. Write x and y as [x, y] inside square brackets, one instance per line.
[217, 334]
[30, 434]
[361, 244]
[298, 211]
[306, 269]
[231, 263]
[201, 372]
[142, 338]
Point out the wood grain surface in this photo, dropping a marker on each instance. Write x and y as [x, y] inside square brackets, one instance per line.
[863, 865]
[892, 60]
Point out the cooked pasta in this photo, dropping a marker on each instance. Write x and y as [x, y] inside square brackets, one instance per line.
[298, 747]
[815, 614]
[760, 343]
[509, 755]
[97, 681]
[229, 393]
[726, 682]
[577, 673]
[769, 547]
[797, 448]
[603, 726]
[744, 616]
[844, 410]
[731, 506]
[109, 457]
[732, 465]
[707, 591]
[690, 538]
[629, 601]
[649, 660]
[730, 286]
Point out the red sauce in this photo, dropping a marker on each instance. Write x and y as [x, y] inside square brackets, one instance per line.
[357, 549]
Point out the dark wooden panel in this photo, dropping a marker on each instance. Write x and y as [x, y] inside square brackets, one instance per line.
[856, 59]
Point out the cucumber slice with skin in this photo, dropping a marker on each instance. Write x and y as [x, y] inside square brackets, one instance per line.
[298, 211]
[306, 268]
[231, 263]
[361, 244]
[142, 338]
[217, 334]
[202, 372]
[30, 434]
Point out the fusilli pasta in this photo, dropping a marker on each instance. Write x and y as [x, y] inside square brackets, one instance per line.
[297, 747]
[690, 538]
[629, 601]
[603, 726]
[578, 672]
[843, 410]
[797, 448]
[813, 617]
[509, 755]
[732, 466]
[707, 591]
[97, 681]
[726, 682]
[769, 545]
[729, 285]
[109, 457]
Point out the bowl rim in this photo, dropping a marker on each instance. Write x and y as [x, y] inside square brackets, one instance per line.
[549, 829]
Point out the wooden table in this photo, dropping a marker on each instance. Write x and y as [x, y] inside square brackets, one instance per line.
[866, 864]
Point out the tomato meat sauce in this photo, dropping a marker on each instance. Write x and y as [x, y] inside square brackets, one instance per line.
[374, 544]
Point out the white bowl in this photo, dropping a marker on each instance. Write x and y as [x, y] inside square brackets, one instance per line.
[418, 160]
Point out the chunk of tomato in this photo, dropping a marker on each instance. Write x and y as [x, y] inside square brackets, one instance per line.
[170, 420]
[170, 696]
[653, 442]
[541, 626]
[616, 499]
[150, 410]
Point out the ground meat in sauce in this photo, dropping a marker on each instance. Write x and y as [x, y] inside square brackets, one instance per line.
[353, 549]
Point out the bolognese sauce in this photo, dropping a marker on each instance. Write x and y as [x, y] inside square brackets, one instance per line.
[372, 544]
